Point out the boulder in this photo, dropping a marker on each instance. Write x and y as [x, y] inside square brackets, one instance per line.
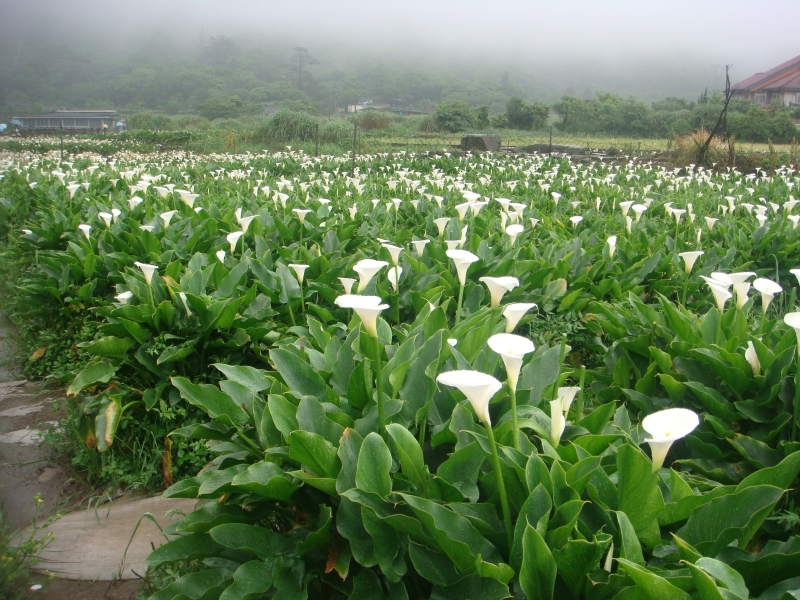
[481, 142]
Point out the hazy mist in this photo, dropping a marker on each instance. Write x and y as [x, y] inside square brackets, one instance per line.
[646, 48]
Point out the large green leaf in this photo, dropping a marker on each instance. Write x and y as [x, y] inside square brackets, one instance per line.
[374, 466]
[212, 401]
[195, 546]
[638, 493]
[253, 539]
[409, 454]
[737, 516]
[315, 452]
[456, 536]
[109, 347]
[298, 375]
[250, 581]
[653, 586]
[537, 576]
[97, 373]
[267, 480]
[205, 585]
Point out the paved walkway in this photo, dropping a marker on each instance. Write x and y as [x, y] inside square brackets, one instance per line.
[88, 545]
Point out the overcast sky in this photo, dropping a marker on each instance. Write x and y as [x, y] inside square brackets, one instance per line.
[753, 36]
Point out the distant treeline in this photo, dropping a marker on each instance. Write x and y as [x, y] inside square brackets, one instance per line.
[612, 115]
[217, 83]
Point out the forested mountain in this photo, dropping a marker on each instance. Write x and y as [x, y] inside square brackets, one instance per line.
[163, 72]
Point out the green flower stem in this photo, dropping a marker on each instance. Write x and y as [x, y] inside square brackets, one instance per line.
[514, 426]
[685, 288]
[501, 488]
[150, 296]
[302, 301]
[561, 357]
[796, 399]
[458, 306]
[379, 384]
[301, 238]
[291, 314]
[579, 403]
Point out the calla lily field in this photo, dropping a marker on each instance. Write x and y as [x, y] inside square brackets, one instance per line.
[411, 376]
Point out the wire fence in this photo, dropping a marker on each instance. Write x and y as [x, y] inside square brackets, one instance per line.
[543, 142]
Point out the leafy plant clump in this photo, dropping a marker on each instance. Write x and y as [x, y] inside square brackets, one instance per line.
[403, 375]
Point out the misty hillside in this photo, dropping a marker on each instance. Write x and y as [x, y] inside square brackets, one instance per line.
[172, 57]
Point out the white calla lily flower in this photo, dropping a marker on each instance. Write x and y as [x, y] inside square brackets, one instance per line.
[512, 349]
[232, 238]
[367, 269]
[768, 289]
[347, 284]
[462, 260]
[667, 426]
[792, 319]
[498, 286]
[299, 270]
[514, 312]
[419, 246]
[393, 275]
[147, 271]
[124, 297]
[479, 388]
[394, 252]
[689, 258]
[611, 242]
[368, 308]
[752, 357]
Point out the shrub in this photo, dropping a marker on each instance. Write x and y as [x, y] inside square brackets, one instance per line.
[230, 107]
[453, 116]
[526, 116]
[481, 116]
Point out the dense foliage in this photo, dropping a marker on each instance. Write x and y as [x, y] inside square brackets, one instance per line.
[340, 461]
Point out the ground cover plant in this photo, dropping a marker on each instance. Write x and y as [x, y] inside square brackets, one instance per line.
[416, 376]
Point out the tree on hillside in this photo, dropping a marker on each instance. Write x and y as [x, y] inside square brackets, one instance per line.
[299, 61]
[526, 116]
[453, 116]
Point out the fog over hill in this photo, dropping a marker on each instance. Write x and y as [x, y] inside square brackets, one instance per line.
[90, 52]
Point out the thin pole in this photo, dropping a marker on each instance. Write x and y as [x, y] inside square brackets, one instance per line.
[316, 142]
[550, 151]
[62, 139]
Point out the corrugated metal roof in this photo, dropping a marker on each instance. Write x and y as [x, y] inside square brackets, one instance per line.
[753, 80]
[73, 114]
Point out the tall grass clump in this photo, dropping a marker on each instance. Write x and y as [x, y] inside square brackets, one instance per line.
[288, 126]
[370, 120]
[151, 122]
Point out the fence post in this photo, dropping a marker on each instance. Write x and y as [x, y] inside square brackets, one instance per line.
[550, 151]
[355, 147]
[316, 142]
[62, 140]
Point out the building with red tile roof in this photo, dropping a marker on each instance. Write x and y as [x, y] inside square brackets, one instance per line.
[781, 82]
